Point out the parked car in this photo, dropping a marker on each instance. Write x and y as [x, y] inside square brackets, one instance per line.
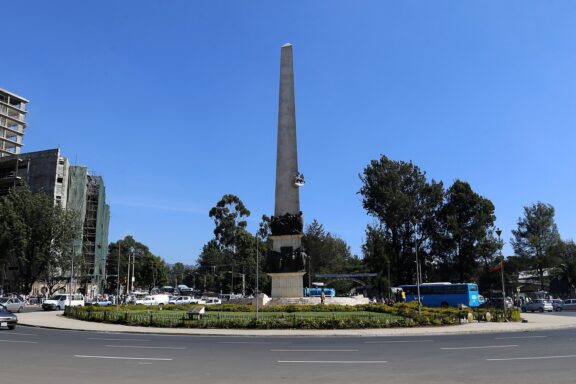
[539, 305]
[62, 300]
[213, 301]
[496, 302]
[197, 301]
[102, 303]
[13, 304]
[569, 305]
[181, 300]
[7, 318]
[154, 300]
[557, 304]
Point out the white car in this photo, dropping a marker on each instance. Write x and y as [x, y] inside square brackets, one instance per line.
[539, 305]
[213, 301]
[62, 300]
[154, 300]
[181, 300]
[197, 301]
[13, 304]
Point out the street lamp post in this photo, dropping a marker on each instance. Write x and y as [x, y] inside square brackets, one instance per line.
[133, 264]
[243, 282]
[417, 269]
[72, 269]
[499, 232]
[257, 268]
[130, 250]
[118, 278]
[389, 282]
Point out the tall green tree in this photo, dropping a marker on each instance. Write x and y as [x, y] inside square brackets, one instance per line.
[150, 271]
[398, 195]
[328, 254]
[37, 236]
[536, 238]
[230, 257]
[565, 271]
[228, 215]
[465, 233]
[377, 258]
[65, 259]
[177, 272]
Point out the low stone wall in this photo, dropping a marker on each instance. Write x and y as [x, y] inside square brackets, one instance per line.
[265, 300]
[354, 300]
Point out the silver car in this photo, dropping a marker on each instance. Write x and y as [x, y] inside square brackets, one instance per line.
[539, 305]
[558, 304]
[13, 304]
[569, 304]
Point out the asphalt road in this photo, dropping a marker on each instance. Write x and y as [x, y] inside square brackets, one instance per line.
[35, 355]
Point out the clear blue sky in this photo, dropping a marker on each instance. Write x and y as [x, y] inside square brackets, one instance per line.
[174, 103]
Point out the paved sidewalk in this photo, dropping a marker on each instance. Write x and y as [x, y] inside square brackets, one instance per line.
[536, 322]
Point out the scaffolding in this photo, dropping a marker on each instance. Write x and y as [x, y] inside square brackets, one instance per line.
[95, 234]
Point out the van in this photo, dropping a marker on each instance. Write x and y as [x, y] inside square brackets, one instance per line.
[62, 300]
[154, 300]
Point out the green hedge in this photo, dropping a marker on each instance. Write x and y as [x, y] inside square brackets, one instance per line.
[289, 316]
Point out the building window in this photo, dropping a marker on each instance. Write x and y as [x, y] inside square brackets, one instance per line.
[60, 180]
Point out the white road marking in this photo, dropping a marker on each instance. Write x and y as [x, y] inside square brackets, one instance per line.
[482, 347]
[142, 347]
[518, 337]
[20, 334]
[123, 358]
[251, 342]
[101, 338]
[18, 341]
[535, 358]
[398, 341]
[333, 361]
[314, 350]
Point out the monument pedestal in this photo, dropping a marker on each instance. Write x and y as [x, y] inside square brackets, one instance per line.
[287, 284]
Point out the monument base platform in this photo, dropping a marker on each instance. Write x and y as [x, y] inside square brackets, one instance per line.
[287, 284]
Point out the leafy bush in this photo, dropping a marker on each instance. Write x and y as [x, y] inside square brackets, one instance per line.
[286, 317]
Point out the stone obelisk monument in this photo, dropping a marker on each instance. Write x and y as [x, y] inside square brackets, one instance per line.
[286, 263]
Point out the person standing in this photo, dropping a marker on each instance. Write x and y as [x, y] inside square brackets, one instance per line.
[322, 296]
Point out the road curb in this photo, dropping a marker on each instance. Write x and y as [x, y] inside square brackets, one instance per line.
[55, 320]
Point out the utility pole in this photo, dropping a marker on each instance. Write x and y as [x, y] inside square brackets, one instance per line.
[118, 278]
[133, 263]
[499, 232]
[257, 268]
[72, 269]
[128, 273]
[417, 269]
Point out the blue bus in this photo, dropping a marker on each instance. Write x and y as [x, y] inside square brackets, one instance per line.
[316, 292]
[444, 294]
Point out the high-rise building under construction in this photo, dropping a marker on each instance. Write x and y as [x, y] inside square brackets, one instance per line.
[12, 122]
[71, 187]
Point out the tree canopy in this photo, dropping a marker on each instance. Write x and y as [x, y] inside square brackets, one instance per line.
[37, 236]
[536, 238]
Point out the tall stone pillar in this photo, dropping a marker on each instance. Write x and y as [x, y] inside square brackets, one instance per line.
[286, 262]
[287, 194]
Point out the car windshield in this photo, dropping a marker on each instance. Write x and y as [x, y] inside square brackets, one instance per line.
[58, 297]
[3, 309]
[4, 299]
